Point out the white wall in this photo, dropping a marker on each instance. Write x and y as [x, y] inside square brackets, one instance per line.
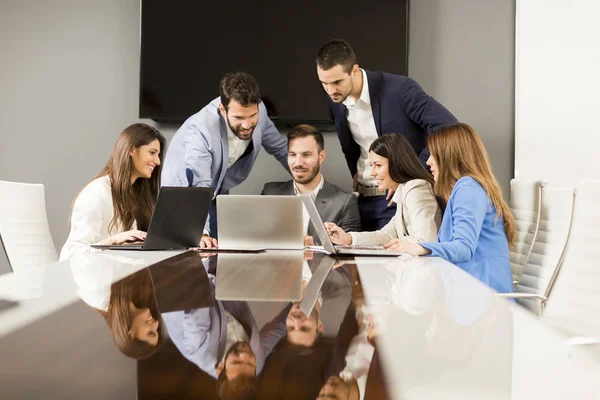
[558, 84]
[462, 53]
[69, 85]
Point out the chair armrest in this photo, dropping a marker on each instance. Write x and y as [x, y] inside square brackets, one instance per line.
[582, 340]
[520, 295]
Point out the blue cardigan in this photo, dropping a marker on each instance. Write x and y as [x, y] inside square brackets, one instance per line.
[471, 238]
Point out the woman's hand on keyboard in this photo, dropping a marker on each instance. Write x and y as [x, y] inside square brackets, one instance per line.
[403, 246]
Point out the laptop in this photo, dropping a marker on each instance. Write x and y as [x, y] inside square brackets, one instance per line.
[272, 276]
[177, 222]
[258, 223]
[313, 289]
[317, 222]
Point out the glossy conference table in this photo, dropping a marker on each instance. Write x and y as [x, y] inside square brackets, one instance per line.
[406, 329]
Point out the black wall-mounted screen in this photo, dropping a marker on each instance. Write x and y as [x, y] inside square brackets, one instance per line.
[187, 46]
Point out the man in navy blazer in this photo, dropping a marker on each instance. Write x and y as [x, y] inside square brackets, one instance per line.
[366, 105]
[218, 146]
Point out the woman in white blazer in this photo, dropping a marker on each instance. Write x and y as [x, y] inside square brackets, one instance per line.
[396, 167]
[116, 206]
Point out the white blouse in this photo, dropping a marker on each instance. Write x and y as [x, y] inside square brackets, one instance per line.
[92, 213]
[418, 217]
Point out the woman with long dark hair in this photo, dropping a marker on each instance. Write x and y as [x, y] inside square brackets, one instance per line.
[116, 206]
[133, 317]
[396, 167]
[478, 227]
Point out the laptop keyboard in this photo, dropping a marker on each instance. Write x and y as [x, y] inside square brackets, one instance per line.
[357, 247]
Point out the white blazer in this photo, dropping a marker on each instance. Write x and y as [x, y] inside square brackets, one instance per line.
[418, 217]
[92, 212]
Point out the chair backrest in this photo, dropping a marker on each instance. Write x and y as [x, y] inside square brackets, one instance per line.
[575, 293]
[24, 229]
[549, 245]
[525, 199]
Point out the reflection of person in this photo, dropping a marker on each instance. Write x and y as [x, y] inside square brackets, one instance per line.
[218, 146]
[117, 205]
[366, 105]
[337, 388]
[224, 341]
[124, 296]
[302, 330]
[237, 373]
[477, 227]
[133, 317]
[306, 153]
[395, 167]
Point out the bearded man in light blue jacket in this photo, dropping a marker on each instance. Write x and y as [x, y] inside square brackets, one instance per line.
[218, 146]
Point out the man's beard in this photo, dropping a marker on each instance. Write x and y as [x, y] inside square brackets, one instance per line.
[240, 347]
[245, 135]
[312, 174]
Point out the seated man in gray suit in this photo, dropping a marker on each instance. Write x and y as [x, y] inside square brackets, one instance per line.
[218, 146]
[306, 152]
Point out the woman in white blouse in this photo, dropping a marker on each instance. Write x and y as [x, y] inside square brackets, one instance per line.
[396, 167]
[116, 206]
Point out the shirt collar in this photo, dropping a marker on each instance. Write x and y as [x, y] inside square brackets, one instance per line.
[314, 193]
[397, 198]
[364, 94]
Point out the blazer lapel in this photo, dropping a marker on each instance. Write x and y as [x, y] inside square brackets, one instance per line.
[375, 79]
[224, 152]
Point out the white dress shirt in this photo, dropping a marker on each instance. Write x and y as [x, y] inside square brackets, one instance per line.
[235, 333]
[362, 127]
[360, 353]
[92, 213]
[313, 195]
[237, 146]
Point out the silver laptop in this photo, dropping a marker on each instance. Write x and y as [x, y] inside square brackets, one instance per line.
[272, 276]
[345, 249]
[254, 222]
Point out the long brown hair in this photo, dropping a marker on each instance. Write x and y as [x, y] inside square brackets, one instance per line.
[139, 290]
[403, 163]
[132, 202]
[458, 152]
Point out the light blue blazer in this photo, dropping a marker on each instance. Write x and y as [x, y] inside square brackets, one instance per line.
[200, 334]
[198, 154]
[471, 237]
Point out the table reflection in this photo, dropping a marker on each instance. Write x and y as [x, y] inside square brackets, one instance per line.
[237, 318]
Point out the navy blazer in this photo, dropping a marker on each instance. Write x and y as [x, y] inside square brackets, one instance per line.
[399, 105]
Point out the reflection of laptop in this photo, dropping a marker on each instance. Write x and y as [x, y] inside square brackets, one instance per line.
[177, 222]
[313, 289]
[272, 276]
[340, 250]
[252, 222]
[181, 283]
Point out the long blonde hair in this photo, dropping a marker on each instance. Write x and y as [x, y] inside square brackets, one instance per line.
[458, 152]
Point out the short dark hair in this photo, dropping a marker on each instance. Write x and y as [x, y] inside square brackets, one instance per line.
[336, 52]
[306, 130]
[242, 387]
[241, 87]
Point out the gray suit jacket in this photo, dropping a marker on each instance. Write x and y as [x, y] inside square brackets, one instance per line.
[334, 205]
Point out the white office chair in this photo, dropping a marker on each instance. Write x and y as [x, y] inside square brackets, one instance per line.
[24, 230]
[547, 253]
[525, 200]
[574, 305]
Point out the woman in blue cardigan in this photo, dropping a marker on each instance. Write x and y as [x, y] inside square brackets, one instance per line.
[477, 227]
